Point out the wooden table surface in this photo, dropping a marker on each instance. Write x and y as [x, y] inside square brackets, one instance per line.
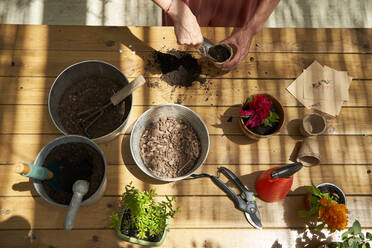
[32, 56]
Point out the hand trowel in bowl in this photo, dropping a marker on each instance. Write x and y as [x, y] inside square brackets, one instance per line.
[50, 173]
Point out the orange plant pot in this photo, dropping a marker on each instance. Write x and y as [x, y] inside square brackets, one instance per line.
[279, 110]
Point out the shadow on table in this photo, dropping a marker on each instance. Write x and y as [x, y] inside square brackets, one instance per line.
[248, 180]
[277, 244]
[293, 129]
[229, 123]
[24, 237]
[307, 238]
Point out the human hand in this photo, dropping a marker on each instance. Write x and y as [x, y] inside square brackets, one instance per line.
[241, 39]
[186, 26]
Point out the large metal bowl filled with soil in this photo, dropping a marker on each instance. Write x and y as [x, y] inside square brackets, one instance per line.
[85, 86]
[169, 142]
[76, 158]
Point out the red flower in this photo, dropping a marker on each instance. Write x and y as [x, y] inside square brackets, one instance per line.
[258, 111]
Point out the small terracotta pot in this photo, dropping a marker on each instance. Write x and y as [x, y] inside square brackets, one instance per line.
[280, 111]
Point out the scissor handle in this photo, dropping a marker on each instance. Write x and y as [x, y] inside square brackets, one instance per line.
[228, 173]
[239, 202]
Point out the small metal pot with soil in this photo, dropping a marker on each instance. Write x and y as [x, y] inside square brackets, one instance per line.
[85, 86]
[169, 142]
[262, 131]
[334, 191]
[76, 158]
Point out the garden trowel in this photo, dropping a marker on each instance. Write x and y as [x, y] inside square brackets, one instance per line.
[50, 173]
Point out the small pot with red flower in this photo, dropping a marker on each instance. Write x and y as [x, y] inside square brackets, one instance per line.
[261, 116]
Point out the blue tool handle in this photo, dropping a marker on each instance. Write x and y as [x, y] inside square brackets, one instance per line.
[235, 179]
[37, 172]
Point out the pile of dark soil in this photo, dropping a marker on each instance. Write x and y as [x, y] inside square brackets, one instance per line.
[132, 232]
[89, 93]
[178, 68]
[169, 147]
[219, 53]
[76, 161]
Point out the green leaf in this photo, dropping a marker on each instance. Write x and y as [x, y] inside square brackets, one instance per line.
[146, 215]
[304, 213]
[369, 236]
[319, 227]
[361, 236]
[356, 227]
[345, 234]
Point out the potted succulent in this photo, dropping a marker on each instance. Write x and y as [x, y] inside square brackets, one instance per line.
[328, 205]
[141, 220]
[354, 238]
[261, 116]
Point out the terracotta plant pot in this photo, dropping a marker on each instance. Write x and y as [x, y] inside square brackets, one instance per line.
[279, 110]
[135, 240]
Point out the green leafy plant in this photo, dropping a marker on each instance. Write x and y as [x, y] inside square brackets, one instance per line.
[327, 210]
[354, 238]
[147, 217]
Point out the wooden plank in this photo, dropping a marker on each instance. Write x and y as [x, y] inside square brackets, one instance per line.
[35, 90]
[35, 119]
[201, 212]
[229, 149]
[257, 65]
[176, 238]
[42, 37]
[354, 180]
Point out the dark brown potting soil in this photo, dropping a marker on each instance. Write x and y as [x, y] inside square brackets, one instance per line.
[169, 147]
[178, 68]
[219, 53]
[126, 229]
[90, 93]
[75, 161]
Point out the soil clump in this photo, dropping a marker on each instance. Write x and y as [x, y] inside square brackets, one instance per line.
[178, 68]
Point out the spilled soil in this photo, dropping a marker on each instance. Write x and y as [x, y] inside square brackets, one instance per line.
[178, 68]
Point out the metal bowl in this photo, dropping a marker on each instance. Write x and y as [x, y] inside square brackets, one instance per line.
[77, 72]
[40, 158]
[176, 111]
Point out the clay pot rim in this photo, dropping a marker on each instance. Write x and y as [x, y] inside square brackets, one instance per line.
[281, 121]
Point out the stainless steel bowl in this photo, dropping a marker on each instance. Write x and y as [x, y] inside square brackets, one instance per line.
[173, 111]
[40, 158]
[75, 73]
